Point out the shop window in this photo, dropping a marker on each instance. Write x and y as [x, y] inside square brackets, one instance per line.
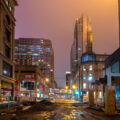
[27, 85]
[7, 69]
[30, 86]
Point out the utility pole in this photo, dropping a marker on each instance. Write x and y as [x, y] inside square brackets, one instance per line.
[79, 82]
[80, 85]
[81, 88]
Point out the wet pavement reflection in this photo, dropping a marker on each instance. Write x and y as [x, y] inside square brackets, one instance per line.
[68, 112]
[74, 115]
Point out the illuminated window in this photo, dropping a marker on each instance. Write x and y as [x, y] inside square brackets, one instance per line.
[42, 41]
[22, 82]
[84, 85]
[90, 77]
[94, 94]
[84, 68]
[100, 94]
[84, 76]
[7, 69]
[7, 2]
[90, 67]
[88, 57]
[38, 83]
[10, 9]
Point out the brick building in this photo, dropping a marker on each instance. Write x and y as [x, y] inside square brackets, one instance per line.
[7, 27]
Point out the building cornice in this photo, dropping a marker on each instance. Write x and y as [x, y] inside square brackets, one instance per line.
[15, 2]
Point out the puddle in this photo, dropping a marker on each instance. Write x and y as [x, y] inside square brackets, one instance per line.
[58, 116]
[74, 115]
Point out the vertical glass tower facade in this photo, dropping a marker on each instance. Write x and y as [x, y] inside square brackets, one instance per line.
[82, 41]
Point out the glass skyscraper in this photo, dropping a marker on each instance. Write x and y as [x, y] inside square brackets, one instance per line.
[82, 41]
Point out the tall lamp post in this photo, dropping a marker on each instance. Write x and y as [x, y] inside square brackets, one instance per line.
[79, 83]
[66, 88]
[73, 88]
[46, 83]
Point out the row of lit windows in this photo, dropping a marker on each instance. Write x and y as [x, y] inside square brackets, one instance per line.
[90, 67]
[33, 43]
[90, 77]
[9, 5]
[85, 85]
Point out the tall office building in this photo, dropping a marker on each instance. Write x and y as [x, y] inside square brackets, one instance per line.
[68, 79]
[82, 41]
[31, 51]
[7, 25]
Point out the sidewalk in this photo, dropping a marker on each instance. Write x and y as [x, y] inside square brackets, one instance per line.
[4, 104]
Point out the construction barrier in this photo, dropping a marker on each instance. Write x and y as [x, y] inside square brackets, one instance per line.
[91, 98]
[110, 100]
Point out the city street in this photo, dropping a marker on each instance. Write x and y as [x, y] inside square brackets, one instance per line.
[59, 60]
[59, 111]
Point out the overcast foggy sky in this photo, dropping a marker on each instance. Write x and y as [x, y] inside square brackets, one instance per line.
[55, 19]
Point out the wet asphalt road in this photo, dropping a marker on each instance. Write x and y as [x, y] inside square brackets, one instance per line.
[67, 112]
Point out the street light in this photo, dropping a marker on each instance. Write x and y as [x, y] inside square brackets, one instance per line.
[66, 87]
[73, 87]
[47, 80]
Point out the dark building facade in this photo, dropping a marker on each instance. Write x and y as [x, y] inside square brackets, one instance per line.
[111, 76]
[31, 51]
[7, 27]
[68, 79]
[82, 42]
[112, 68]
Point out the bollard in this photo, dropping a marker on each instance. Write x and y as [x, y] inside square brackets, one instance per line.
[110, 100]
[91, 98]
[9, 102]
